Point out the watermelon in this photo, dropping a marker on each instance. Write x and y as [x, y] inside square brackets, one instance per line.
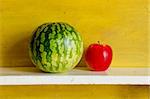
[55, 47]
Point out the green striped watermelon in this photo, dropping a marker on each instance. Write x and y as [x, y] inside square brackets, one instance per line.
[55, 47]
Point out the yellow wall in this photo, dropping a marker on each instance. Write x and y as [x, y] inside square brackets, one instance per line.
[123, 24]
[74, 92]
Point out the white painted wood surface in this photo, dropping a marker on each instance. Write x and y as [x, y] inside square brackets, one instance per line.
[79, 75]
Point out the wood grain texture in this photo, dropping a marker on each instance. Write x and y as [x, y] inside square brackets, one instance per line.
[123, 24]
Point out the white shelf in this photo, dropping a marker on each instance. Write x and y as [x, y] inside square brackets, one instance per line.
[79, 75]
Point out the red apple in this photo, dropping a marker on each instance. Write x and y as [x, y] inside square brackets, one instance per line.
[98, 57]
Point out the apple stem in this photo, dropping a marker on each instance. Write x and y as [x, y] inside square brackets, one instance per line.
[98, 42]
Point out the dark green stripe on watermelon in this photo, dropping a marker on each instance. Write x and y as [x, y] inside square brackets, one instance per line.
[40, 47]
